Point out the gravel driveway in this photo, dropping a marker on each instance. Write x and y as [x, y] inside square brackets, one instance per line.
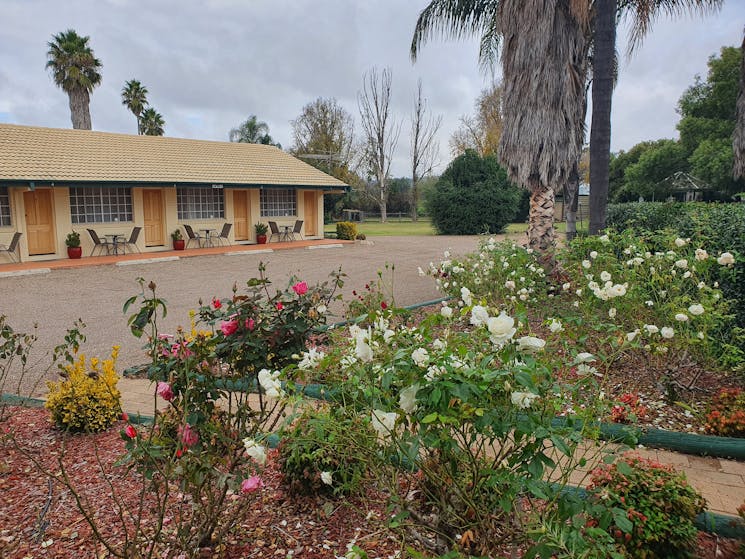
[48, 304]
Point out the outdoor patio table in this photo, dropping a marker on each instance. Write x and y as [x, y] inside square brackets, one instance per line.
[286, 230]
[207, 236]
[114, 240]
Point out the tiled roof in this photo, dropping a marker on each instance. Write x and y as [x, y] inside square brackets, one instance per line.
[31, 153]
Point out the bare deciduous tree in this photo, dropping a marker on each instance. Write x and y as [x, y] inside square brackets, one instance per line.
[380, 130]
[424, 146]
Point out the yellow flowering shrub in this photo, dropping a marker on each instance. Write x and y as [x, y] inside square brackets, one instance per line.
[86, 399]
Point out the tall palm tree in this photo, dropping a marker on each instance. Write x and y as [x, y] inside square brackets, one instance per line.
[152, 122]
[77, 71]
[543, 132]
[252, 131]
[134, 97]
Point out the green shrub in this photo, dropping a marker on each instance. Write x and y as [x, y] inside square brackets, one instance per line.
[86, 399]
[346, 230]
[647, 506]
[473, 196]
[721, 227]
[325, 452]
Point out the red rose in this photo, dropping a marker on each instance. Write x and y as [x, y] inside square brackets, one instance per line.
[164, 390]
[301, 288]
[216, 303]
[280, 306]
[383, 305]
[130, 431]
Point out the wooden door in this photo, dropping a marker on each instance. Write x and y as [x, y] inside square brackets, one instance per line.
[39, 210]
[311, 214]
[152, 202]
[242, 223]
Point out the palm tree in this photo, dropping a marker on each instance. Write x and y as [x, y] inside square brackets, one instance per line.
[152, 122]
[77, 71]
[543, 131]
[134, 97]
[252, 131]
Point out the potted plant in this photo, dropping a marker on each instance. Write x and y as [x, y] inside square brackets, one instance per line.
[74, 250]
[261, 229]
[178, 240]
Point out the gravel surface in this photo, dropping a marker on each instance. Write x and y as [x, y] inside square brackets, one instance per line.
[48, 304]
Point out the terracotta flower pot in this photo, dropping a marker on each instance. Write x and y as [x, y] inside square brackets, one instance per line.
[261, 239]
[179, 244]
[74, 252]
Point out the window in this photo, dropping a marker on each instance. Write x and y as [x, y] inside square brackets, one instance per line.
[278, 202]
[4, 207]
[100, 205]
[199, 203]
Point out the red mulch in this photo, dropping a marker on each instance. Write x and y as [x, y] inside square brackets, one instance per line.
[276, 526]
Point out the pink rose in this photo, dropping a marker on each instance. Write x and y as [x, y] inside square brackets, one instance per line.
[187, 435]
[130, 431]
[125, 417]
[229, 327]
[301, 288]
[250, 324]
[251, 484]
[164, 390]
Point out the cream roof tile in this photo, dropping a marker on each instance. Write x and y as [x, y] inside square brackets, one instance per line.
[31, 153]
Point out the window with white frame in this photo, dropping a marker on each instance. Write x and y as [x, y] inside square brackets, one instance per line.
[4, 207]
[277, 202]
[100, 205]
[199, 203]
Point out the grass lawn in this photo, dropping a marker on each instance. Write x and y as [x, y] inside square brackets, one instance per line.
[424, 227]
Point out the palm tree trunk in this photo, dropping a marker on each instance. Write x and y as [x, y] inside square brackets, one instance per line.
[80, 109]
[541, 237]
[602, 96]
[571, 203]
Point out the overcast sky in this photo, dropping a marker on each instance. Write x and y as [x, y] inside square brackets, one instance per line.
[209, 64]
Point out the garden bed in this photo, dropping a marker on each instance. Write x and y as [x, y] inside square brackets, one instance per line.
[36, 521]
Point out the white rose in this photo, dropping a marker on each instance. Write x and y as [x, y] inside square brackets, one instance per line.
[327, 478]
[726, 259]
[696, 309]
[407, 398]
[583, 369]
[438, 344]
[530, 344]
[605, 276]
[701, 254]
[479, 315]
[555, 326]
[465, 294]
[566, 286]
[420, 357]
[523, 400]
[586, 264]
[310, 359]
[680, 242]
[509, 284]
[584, 357]
[321, 309]
[362, 350]
[501, 328]
[612, 312]
[667, 332]
[268, 381]
[255, 450]
[446, 311]
[682, 263]
[631, 336]
[681, 317]
[594, 254]
[700, 335]
[383, 422]
[651, 328]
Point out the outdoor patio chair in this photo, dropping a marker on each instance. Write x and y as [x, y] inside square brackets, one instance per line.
[275, 231]
[12, 249]
[97, 242]
[132, 242]
[297, 230]
[223, 236]
[192, 236]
